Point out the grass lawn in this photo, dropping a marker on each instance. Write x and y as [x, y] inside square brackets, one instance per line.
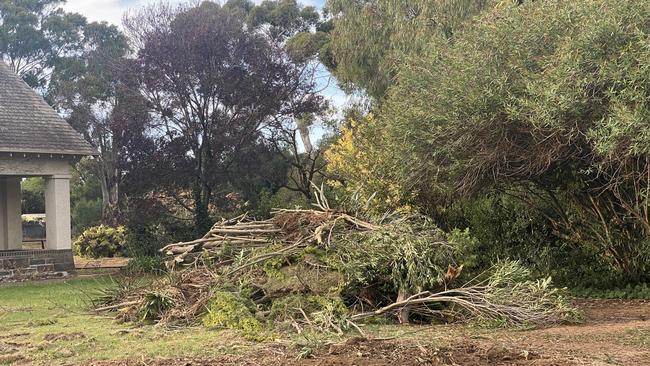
[51, 323]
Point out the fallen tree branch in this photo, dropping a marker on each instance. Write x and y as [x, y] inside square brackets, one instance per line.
[117, 306]
[286, 227]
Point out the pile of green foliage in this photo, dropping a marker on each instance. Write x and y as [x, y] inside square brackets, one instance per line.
[101, 242]
[328, 271]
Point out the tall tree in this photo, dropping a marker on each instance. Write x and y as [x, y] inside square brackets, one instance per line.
[95, 96]
[37, 37]
[76, 66]
[212, 84]
[283, 22]
[369, 39]
[548, 100]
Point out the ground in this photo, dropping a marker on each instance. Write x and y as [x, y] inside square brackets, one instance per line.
[89, 263]
[49, 323]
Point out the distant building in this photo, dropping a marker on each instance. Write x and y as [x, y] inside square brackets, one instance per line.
[34, 141]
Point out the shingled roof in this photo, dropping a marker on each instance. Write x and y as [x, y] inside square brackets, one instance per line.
[29, 125]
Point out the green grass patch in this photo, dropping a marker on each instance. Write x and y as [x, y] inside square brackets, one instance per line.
[52, 323]
[639, 337]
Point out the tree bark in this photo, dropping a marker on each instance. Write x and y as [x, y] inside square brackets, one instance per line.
[405, 312]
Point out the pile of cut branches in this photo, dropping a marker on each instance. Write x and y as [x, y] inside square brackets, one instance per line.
[291, 228]
[507, 296]
[325, 269]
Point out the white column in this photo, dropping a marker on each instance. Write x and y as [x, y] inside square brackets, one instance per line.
[4, 245]
[14, 210]
[57, 212]
[11, 231]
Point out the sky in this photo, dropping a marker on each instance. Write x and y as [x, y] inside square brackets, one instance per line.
[112, 11]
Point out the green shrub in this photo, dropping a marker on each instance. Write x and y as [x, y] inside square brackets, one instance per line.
[639, 291]
[505, 227]
[101, 241]
[155, 306]
[145, 240]
[145, 264]
[85, 214]
[229, 310]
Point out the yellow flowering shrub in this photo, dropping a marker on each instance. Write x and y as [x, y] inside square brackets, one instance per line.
[364, 165]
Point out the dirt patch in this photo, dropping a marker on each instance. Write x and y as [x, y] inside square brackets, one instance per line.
[366, 353]
[613, 311]
[474, 354]
[416, 353]
[10, 352]
[11, 359]
[58, 337]
[7, 348]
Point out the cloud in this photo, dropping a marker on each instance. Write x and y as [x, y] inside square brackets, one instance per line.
[113, 10]
[101, 10]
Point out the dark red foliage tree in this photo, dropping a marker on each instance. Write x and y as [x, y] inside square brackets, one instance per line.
[213, 85]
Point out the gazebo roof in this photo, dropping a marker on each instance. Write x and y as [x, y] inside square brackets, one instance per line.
[29, 125]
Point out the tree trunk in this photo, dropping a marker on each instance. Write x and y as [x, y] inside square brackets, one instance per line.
[303, 129]
[404, 313]
[110, 184]
[202, 191]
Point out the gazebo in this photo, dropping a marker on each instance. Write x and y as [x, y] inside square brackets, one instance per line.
[35, 141]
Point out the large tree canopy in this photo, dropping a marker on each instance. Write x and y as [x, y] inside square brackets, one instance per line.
[371, 39]
[502, 104]
[76, 66]
[549, 96]
[38, 38]
[213, 84]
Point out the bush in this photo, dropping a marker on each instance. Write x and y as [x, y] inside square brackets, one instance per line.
[506, 227]
[229, 310]
[155, 305]
[85, 214]
[550, 94]
[364, 166]
[144, 241]
[101, 241]
[138, 265]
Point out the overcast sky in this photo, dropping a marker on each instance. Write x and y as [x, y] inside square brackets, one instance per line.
[112, 11]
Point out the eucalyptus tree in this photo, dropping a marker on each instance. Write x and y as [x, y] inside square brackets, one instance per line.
[212, 84]
[547, 100]
[284, 22]
[93, 92]
[37, 37]
[367, 41]
[77, 66]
